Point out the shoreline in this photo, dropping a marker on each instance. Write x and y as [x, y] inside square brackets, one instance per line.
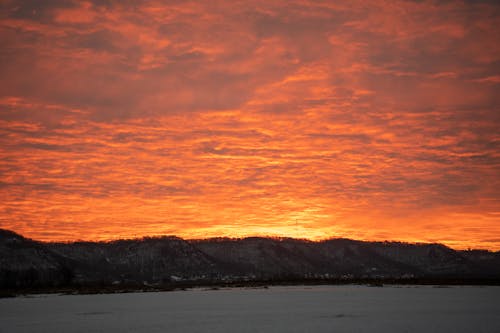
[257, 284]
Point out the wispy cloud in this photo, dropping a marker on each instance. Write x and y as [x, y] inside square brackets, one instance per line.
[300, 118]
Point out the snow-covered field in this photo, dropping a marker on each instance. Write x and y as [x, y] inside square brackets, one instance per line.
[277, 309]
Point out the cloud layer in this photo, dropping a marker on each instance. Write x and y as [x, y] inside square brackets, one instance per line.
[307, 119]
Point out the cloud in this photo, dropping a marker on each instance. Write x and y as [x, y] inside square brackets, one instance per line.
[236, 118]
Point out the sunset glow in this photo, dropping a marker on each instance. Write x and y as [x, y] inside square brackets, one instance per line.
[313, 119]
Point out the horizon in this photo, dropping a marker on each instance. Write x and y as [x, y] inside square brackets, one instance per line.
[301, 119]
[229, 238]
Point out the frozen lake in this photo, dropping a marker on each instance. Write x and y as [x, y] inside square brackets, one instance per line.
[277, 309]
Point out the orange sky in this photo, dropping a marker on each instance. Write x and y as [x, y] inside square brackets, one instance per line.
[316, 119]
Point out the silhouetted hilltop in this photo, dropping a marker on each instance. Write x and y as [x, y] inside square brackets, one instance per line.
[28, 263]
[166, 260]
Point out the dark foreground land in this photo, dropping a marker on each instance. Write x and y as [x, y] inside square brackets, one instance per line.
[93, 289]
[171, 263]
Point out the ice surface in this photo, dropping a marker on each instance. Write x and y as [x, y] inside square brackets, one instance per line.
[277, 309]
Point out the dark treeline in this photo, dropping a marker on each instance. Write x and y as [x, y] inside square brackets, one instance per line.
[165, 263]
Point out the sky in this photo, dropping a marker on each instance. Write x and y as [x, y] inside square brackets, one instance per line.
[371, 120]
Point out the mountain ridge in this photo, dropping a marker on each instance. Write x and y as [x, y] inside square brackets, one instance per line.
[164, 260]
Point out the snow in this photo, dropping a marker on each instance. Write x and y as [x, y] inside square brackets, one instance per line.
[277, 309]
